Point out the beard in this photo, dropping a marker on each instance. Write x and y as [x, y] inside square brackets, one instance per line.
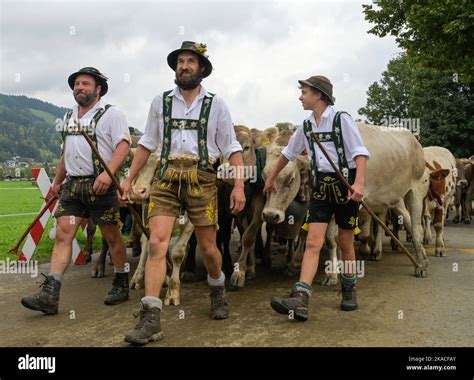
[84, 99]
[188, 81]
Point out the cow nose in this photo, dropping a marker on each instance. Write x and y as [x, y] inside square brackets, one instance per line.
[271, 217]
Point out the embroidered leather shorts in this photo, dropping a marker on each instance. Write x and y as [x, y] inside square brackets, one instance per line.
[78, 199]
[185, 187]
[330, 198]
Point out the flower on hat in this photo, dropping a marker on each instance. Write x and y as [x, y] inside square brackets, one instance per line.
[201, 48]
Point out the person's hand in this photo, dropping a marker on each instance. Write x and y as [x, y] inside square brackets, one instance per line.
[237, 200]
[56, 189]
[101, 183]
[126, 186]
[358, 192]
[270, 185]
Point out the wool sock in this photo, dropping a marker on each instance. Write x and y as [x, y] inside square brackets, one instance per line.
[216, 281]
[56, 276]
[304, 287]
[152, 302]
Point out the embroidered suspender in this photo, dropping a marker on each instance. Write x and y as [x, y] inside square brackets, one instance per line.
[90, 131]
[336, 137]
[170, 123]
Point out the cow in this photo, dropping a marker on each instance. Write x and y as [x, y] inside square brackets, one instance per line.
[284, 215]
[464, 189]
[393, 180]
[441, 169]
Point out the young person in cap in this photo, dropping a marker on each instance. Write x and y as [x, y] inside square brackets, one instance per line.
[190, 128]
[341, 138]
[88, 190]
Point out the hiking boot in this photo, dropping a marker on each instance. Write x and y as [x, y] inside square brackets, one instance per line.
[148, 328]
[349, 297]
[296, 302]
[219, 306]
[47, 300]
[119, 291]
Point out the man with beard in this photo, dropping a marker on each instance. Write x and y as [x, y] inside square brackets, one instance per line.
[189, 128]
[88, 190]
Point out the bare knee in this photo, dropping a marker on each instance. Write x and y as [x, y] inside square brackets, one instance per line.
[158, 246]
[315, 244]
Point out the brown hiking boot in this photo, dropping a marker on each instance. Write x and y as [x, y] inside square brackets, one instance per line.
[47, 300]
[219, 306]
[119, 291]
[349, 297]
[148, 328]
[295, 305]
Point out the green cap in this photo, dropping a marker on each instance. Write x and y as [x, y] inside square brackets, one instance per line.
[101, 78]
[197, 48]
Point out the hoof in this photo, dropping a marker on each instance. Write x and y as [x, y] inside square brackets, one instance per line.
[249, 276]
[188, 277]
[329, 280]
[456, 220]
[290, 271]
[467, 221]
[376, 256]
[137, 282]
[421, 272]
[238, 279]
[98, 272]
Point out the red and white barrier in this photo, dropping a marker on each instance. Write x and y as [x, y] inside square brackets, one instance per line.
[34, 237]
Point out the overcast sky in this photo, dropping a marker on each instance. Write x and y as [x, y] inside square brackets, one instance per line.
[258, 49]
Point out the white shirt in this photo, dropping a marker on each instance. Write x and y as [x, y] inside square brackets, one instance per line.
[111, 129]
[220, 130]
[353, 144]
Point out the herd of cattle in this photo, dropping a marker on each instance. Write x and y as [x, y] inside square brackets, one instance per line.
[405, 184]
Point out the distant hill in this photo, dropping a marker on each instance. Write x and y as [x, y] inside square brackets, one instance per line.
[27, 128]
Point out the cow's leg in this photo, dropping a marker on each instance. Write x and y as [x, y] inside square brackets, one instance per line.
[88, 249]
[224, 235]
[426, 223]
[438, 222]
[99, 267]
[467, 203]
[289, 257]
[457, 205]
[330, 278]
[177, 256]
[295, 264]
[378, 233]
[364, 235]
[190, 262]
[267, 250]
[248, 241]
[138, 279]
[415, 205]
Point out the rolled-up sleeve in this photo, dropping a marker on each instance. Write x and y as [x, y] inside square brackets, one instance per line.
[353, 144]
[296, 144]
[151, 137]
[226, 140]
[119, 127]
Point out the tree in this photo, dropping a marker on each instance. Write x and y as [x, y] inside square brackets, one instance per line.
[425, 97]
[436, 34]
[285, 127]
[389, 98]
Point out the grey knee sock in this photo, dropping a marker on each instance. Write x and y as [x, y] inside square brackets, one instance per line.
[216, 281]
[152, 301]
[56, 276]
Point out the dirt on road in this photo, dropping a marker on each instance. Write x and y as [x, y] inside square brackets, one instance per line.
[395, 307]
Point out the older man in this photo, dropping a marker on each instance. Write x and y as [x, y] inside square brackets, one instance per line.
[190, 128]
[88, 191]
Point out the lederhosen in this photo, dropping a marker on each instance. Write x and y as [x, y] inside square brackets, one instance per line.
[178, 174]
[328, 191]
[78, 192]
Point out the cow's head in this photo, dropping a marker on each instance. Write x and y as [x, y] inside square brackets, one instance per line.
[141, 185]
[437, 181]
[461, 181]
[288, 184]
[246, 140]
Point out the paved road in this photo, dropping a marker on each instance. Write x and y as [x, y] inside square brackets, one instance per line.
[436, 311]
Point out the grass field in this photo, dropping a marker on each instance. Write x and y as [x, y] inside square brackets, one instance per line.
[25, 198]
